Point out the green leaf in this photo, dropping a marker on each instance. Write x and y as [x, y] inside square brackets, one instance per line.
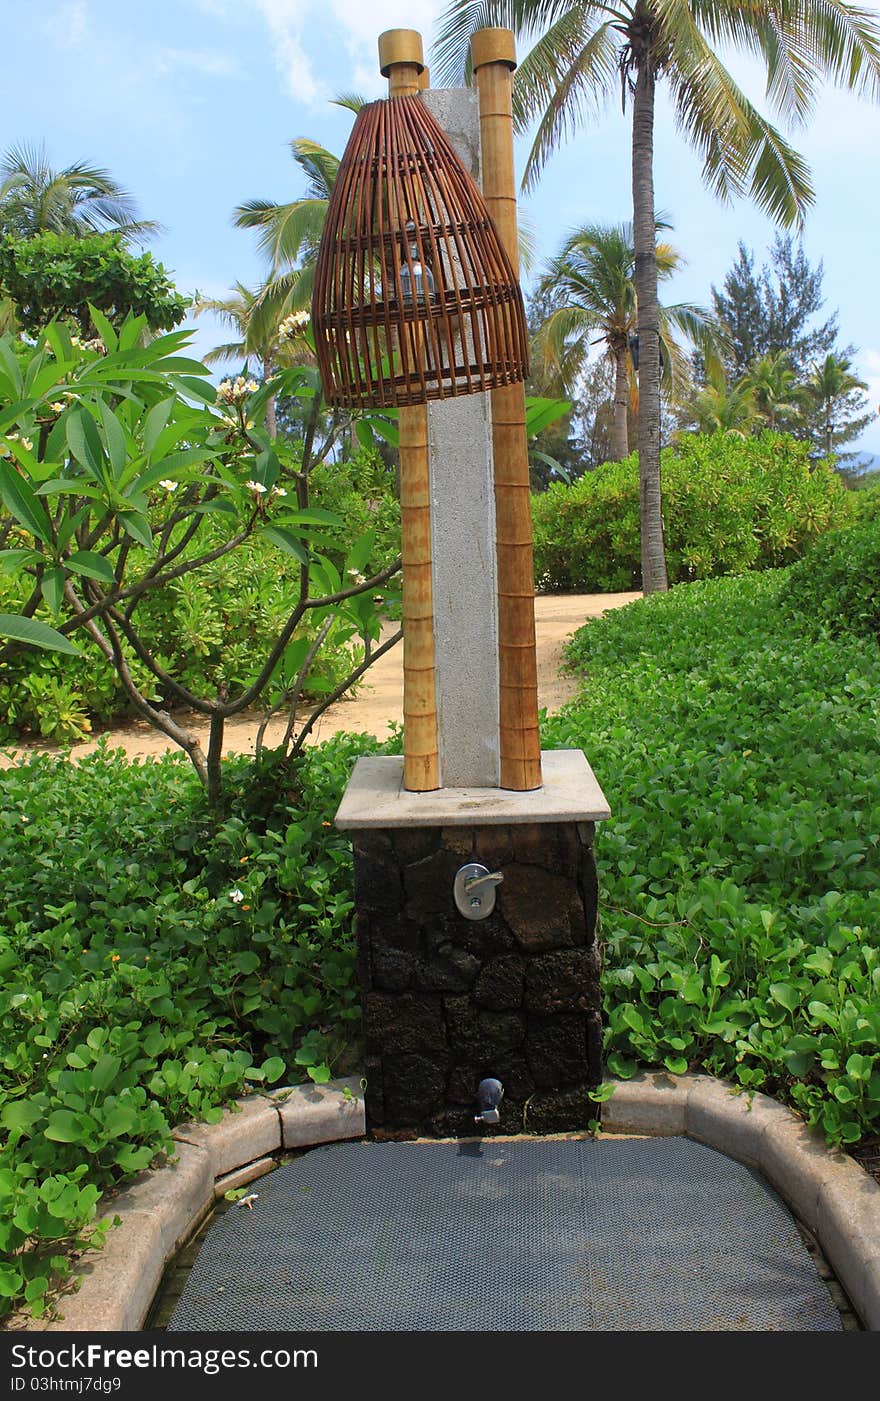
[786, 995]
[273, 1069]
[13, 560]
[20, 500]
[137, 526]
[11, 1281]
[84, 442]
[364, 432]
[52, 586]
[91, 565]
[115, 435]
[66, 1127]
[104, 328]
[319, 1073]
[360, 552]
[286, 541]
[20, 1114]
[35, 634]
[105, 1071]
[155, 421]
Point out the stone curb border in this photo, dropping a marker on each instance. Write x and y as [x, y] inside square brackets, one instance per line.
[160, 1209]
[827, 1190]
[834, 1198]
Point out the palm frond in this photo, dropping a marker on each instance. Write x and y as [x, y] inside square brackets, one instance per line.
[451, 55]
[566, 82]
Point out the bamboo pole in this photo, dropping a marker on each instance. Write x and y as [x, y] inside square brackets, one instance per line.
[494, 59]
[401, 61]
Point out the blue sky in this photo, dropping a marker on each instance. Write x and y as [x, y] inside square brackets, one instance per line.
[191, 103]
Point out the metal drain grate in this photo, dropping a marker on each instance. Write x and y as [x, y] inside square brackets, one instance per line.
[547, 1235]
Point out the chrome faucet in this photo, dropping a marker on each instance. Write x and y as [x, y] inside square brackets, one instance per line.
[489, 1096]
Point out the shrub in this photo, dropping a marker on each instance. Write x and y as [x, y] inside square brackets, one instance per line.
[739, 870]
[156, 963]
[837, 584]
[729, 505]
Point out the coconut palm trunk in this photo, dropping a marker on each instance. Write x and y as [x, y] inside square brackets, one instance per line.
[620, 424]
[654, 578]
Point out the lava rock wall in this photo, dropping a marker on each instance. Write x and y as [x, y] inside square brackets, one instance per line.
[448, 1001]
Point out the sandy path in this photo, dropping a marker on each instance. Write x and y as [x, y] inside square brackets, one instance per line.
[380, 699]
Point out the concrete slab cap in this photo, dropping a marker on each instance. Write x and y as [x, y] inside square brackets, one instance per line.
[117, 1283]
[375, 797]
[733, 1123]
[322, 1113]
[849, 1230]
[252, 1129]
[796, 1160]
[175, 1196]
[647, 1104]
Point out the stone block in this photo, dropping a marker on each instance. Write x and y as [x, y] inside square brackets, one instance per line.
[404, 1023]
[321, 1113]
[560, 1111]
[849, 1233]
[537, 844]
[250, 1130]
[392, 970]
[243, 1176]
[413, 1088]
[493, 846]
[556, 1051]
[871, 1306]
[450, 970]
[415, 843]
[460, 841]
[651, 1104]
[542, 909]
[175, 1196]
[118, 1283]
[563, 982]
[796, 1160]
[500, 984]
[428, 886]
[732, 1123]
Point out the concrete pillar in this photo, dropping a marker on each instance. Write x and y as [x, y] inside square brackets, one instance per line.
[463, 538]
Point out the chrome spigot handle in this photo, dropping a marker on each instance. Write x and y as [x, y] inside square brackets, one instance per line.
[490, 878]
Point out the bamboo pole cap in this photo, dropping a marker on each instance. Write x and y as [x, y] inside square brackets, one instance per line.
[493, 46]
[400, 46]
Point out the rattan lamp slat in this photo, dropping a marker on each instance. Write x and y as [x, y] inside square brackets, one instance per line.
[415, 297]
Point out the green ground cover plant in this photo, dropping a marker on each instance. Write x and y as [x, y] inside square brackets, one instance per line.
[729, 505]
[736, 739]
[156, 962]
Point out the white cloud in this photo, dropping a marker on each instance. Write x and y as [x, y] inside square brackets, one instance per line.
[285, 21]
[210, 62]
[69, 24]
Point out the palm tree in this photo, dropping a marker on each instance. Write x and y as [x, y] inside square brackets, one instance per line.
[830, 384]
[79, 200]
[590, 286]
[723, 408]
[774, 388]
[290, 235]
[588, 52]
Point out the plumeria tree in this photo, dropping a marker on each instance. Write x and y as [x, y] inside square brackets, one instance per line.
[122, 470]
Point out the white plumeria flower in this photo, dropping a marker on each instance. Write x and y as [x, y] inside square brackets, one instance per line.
[257, 487]
[26, 444]
[236, 895]
[279, 491]
[168, 485]
[58, 407]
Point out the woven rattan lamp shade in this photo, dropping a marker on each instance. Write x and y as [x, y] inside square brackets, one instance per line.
[415, 297]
